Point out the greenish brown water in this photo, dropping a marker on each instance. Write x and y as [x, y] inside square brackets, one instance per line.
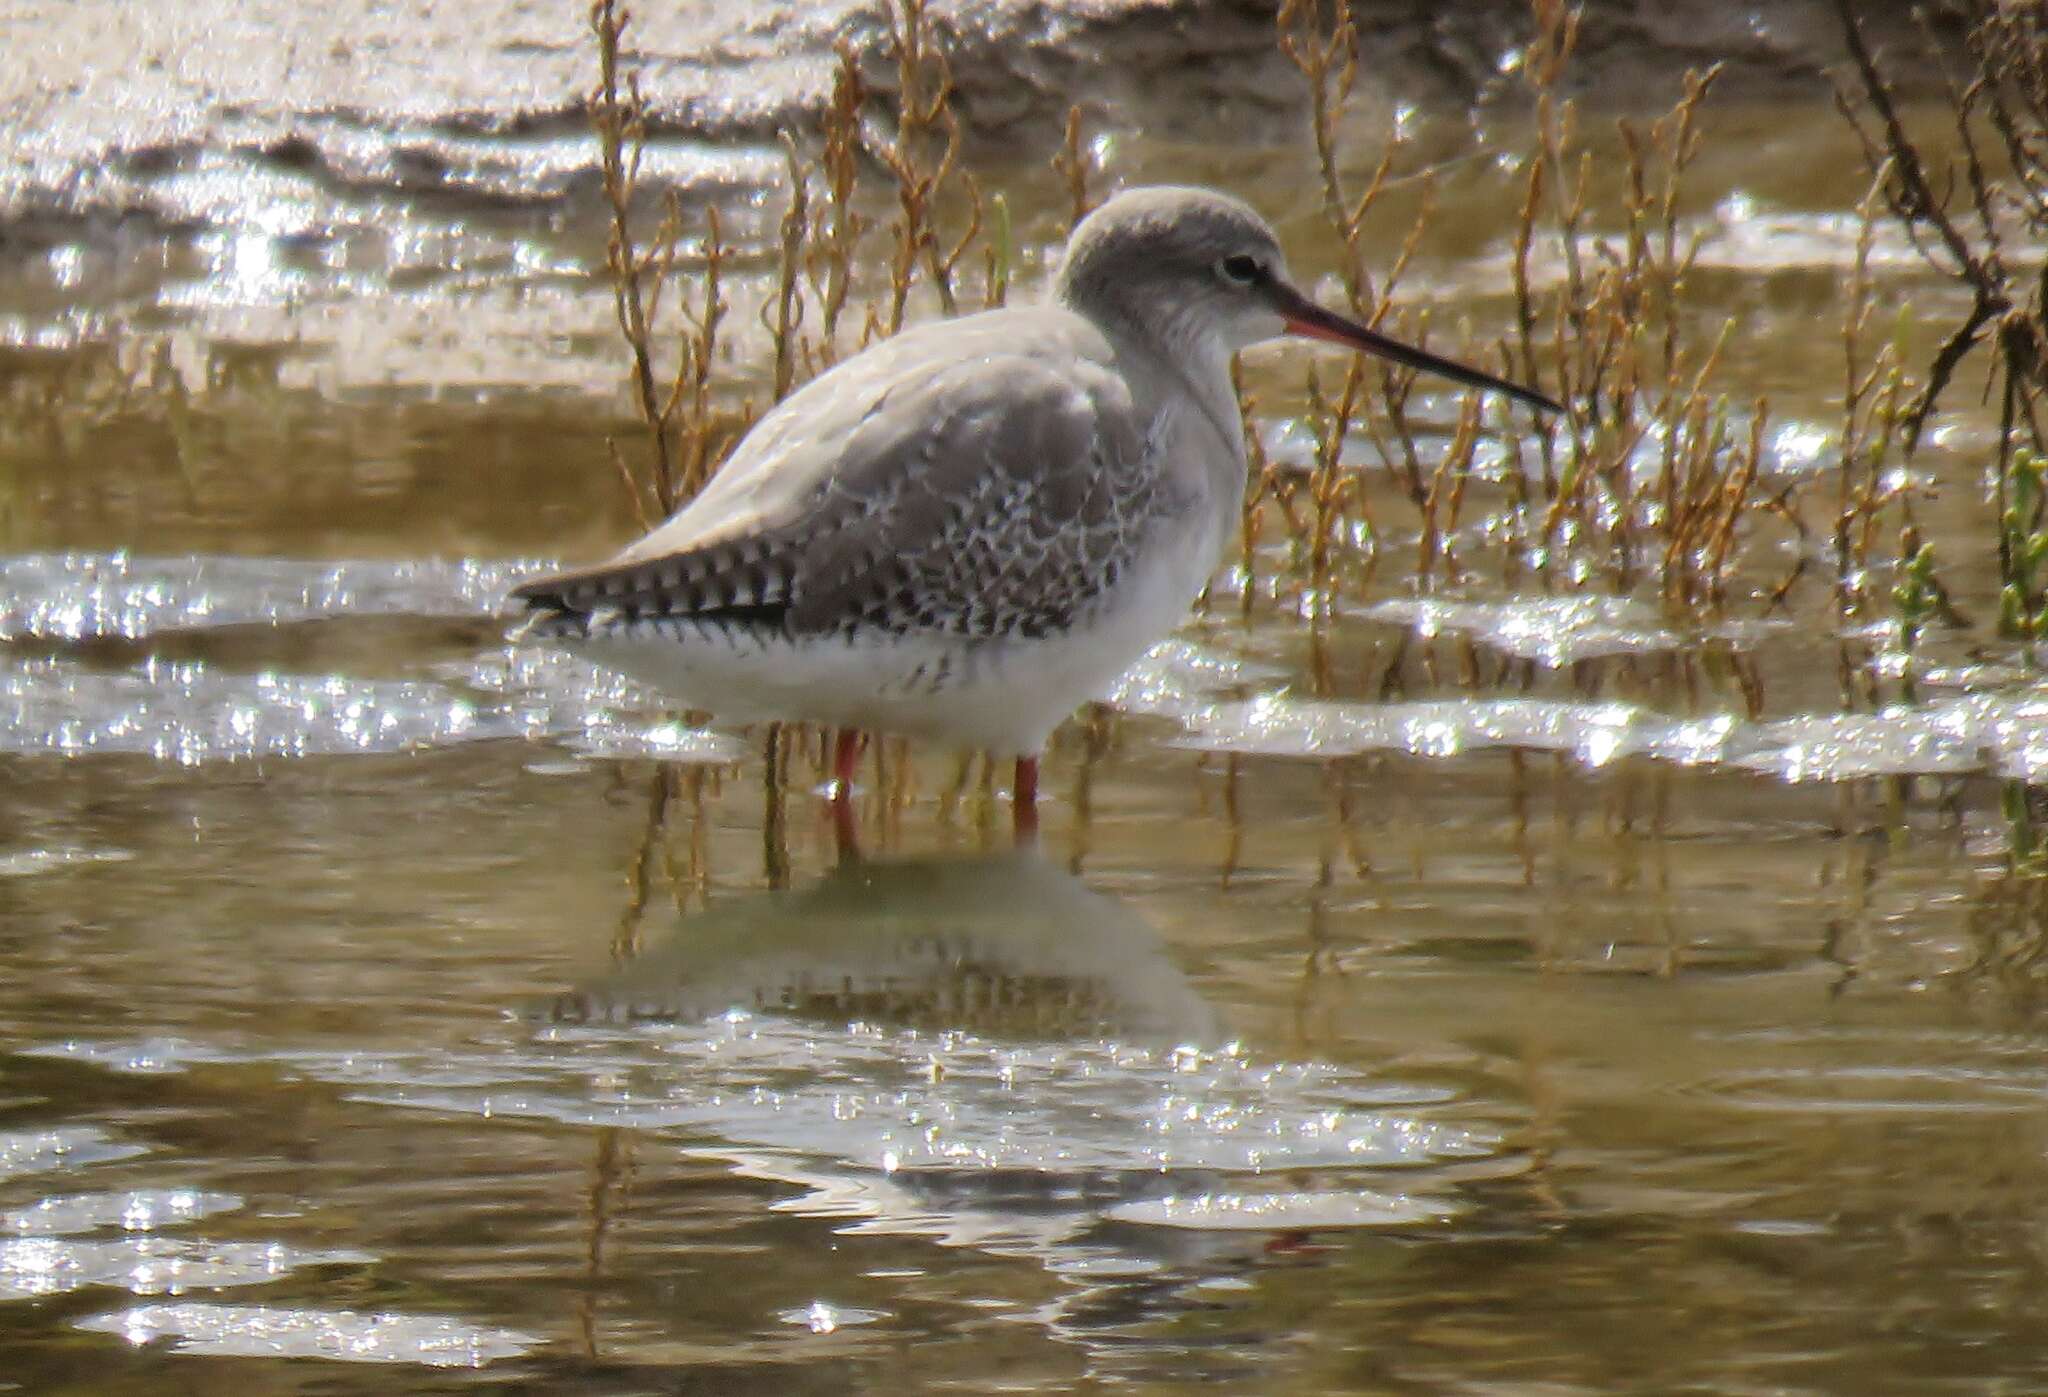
[1484, 991]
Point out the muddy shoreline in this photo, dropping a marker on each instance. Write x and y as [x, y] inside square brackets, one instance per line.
[482, 104]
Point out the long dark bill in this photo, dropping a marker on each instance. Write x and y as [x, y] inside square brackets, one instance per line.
[1305, 317]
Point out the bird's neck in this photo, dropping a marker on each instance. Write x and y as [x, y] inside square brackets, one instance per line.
[1198, 365]
[1177, 356]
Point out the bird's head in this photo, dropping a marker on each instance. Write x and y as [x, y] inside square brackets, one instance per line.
[1190, 268]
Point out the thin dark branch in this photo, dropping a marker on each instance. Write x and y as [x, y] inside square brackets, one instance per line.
[1952, 353]
[1917, 194]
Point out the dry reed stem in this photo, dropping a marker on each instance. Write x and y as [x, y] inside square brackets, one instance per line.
[1870, 393]
[834, 239]
[1070, 163]
[999, 255]
[924, 85]
[704, 439]
[620, 121]
[819, 249]
[788, 303]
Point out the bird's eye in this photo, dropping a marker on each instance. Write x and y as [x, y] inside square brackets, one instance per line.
[1241, 268]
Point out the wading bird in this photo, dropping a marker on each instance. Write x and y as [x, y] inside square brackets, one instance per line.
[971, 528]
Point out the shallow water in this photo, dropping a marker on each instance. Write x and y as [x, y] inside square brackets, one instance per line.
[1484, 990]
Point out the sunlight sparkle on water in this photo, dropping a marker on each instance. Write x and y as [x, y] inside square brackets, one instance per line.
[33, 1151]
[263, 1331]
[1250, 1212]
[139, 1210]
[149, 1264]
[822, 1318]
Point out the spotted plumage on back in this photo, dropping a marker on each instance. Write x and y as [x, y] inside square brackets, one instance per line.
[992, 498]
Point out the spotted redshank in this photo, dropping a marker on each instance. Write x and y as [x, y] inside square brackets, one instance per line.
[970, 529]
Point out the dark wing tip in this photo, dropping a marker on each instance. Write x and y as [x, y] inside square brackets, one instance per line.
[551, 610]
[540, 593]
[714, 588]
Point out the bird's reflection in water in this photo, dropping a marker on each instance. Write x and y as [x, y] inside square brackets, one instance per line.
[1002, 945]
[983, 1052]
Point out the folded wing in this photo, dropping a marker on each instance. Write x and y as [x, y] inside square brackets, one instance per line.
[988, 496]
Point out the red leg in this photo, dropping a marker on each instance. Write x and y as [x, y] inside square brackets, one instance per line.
[1026, 790]
[845, 761]
[1024, 799]
[845, 831]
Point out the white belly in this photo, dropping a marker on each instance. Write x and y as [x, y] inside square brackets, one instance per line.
[1002, 695]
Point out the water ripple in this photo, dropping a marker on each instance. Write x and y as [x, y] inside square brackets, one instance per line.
[1553, 631]
[949, 1135]
[138, 1210]
[148, 1265]
[263, 1331]
[1267, 1212]
[2003, 733]
[67, 1147]
[82, 596]
[190, 713]
[27, 863]
[1175, 678]
[1275, 725]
